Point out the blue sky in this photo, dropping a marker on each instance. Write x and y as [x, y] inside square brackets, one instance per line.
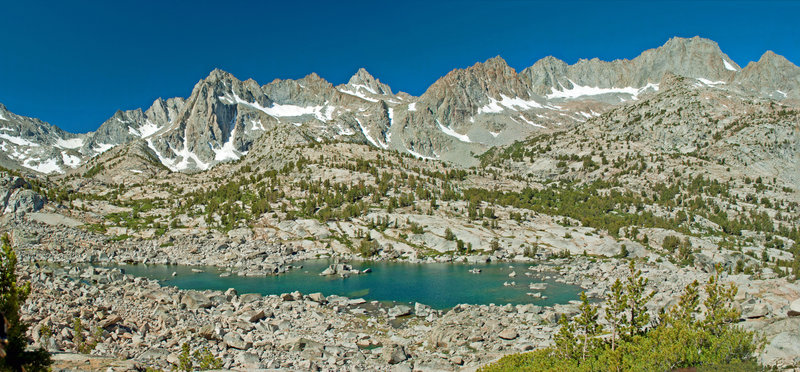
[74, 63]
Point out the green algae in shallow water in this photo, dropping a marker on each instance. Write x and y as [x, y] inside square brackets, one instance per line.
[440, 285]
[359, 293]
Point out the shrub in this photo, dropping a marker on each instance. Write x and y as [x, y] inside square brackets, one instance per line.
[678, 340]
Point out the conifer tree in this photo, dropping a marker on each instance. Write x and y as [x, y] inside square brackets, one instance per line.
[565, 339]
[616, 304]
[12, 295]
[587, 325]
[638, 317]
[719, 310]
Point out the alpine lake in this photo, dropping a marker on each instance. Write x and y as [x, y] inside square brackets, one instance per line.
[439, 285]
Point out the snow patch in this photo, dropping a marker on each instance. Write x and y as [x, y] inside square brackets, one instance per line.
[73, 143]
[103, 147]
[420, 156]
[504, 103]
[450, 132]
[136, 171]
[709, 82]
[19, 141]
[494, 134]
[523, 118]
[369, 138]
[358, 94]
[345, 131]
[388, 136]
[728, 66]
[185, 156]
[328, 113]
[148, 129]
[228, 150]
[581, 90]
[48, 166]
[71, 161]
[412, 106]
[323, 113]
[2, 117]
[256, 125]
[781, 93]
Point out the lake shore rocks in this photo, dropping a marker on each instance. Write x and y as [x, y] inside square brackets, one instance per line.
[139, 322]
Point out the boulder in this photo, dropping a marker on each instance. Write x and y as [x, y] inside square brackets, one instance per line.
[399, 310]
[756, 310]
[783, 349]
[794, 308]
[23, 201]
[235, 340]
[253, 316]
[249, 361]
[401, 368]
[207, 332]
[421, 310]
[302, 343]
[317, 297]
[394, 354]
[249, 297]
[508, 334]
[110, 321]
[196, 300]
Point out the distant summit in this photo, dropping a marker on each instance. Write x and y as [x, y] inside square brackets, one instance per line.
[463, 113]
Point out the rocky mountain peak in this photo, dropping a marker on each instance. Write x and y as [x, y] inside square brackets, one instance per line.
[466, 111]
[362, 76]
[480, 82]
[219, 75]
[775, 60]
[362, 83]
[695, 42]
[495, 62]
[4, 113]
[773, 76]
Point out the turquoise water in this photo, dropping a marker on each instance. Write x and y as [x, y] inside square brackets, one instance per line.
[440, 285]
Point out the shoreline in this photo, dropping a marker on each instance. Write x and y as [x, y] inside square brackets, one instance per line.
[143, 323]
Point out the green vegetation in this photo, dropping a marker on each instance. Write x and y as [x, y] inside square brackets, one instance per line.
[599, 204]
[93, 171]
[82, 344]
[200, 359]
[334, 188]
[677, 339]
[12, 295]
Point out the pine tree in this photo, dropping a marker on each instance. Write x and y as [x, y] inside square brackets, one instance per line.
[718, 303]
[616, 304]
[12, 295]
[586, 321]
[565, 339]
[638, 317]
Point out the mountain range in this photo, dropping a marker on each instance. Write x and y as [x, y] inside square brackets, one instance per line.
[461, 115]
